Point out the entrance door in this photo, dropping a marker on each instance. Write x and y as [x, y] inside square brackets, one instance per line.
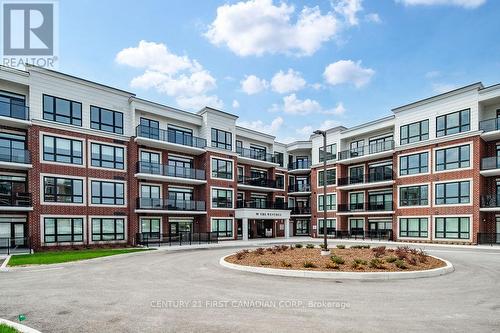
[380, 228]
[178, 226]
[302, 227]
[12, 234]
[264, 228]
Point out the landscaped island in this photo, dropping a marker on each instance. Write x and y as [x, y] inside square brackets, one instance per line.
[357, 258]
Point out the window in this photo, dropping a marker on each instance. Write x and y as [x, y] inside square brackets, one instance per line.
[58, 230]
[453, 193]
[331, 226]
[222, 139]
[105, 156]
[413, 227]
[356, 226]
[222, 169]
[150, 227]
[108, 193]
[331, 152]
[223, 227]
[357, 147]
[279, 158]
[452, 227]
[414, 132]
[182, 136]
[453, 158]
[106, 120]
[356, 201]
[331, 202]
[149, 128]
[453, 123]
[380, 172]
[62, 110]
[239, 146]
[280, 181]
[414, 164]
[62, 150]
[64, 190]
[414, 195]
[356, 175]
[222, 198]
[331, 177]
[381, 144]
[381, 201]
[107, 229]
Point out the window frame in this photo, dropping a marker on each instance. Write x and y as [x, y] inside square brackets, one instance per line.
[101, 233]
[100, 159]
[214, 174]
[43, 197]
[55, 154]
[422, 234]
[320, 177]
[98, 124]
[459, 161]
[421, 137]
[228, 222]
[54, 113]
[330, 206]
[407, 156]
[56, 226]
[101, 197]
[459, 194]
[420, 186]
[447, 129]
[229, 199]
[329, 150]
[459, 232]
[215, 143]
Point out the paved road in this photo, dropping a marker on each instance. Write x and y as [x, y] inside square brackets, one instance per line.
[189, 292]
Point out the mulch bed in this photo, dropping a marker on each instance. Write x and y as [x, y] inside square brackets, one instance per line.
[386, 260]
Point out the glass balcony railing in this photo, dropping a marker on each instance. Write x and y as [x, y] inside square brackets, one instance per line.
[301, 210]
[366, 206]
[297, 165]
[490, 201]
[170, 171]
[16, 200]
[299, 188]
[13, 110]
[366, 150]
[365, 179]
[255, 154]
[257, 181]
[261, 204]
[489, 125]
[170, 204]
[170, 136]
[490, 163]
[14, 155]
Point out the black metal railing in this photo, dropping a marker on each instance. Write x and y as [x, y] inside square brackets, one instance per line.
[261, 204]
[171, 136]
[181, 238]
[304, 164]
[366, 206]
[490, 163]
[255, 154]
[365, 179]
[19, 199]
[366, 150]
[170, 204]
[257, 181]
[488, 238]
[489, 125]
[14, 155]
[170, 171]
[490, 201]
[299, 188]
[13, 110]
[301, 211]
[9, 245]
[370, 234]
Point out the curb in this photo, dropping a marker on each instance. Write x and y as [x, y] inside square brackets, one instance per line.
[19, 327]
[372, 276]
[4, 264]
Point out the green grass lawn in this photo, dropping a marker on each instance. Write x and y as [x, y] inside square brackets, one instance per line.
[7, 329]
[55, 257]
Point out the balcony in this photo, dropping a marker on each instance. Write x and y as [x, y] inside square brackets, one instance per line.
[170, 139]
[301, 211]
[169, 173]
[297, 189]
[15, 115]
[366, 181]
[382, 207]
[16, 202]
[256, 157]
[490, 166]
[490, 203]
[12, 158]
[258, 184]
[490, 128]
[366, 153]
[261, 204]
[296, 167]
[153, 205]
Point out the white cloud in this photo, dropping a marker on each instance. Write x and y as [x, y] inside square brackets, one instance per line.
[236, 104]
[252, 85]
[259, 125]
[373, 17]
[256, 27]
[176, 76]
[349, 9]
[440, 88]
[306, 131]
[348, 71]
[432, 74]
[287, 82]
[469, 4]
[294, 105]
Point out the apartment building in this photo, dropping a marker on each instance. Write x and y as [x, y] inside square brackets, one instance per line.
[82, 163]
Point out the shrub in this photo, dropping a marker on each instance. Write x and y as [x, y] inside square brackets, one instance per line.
[286, 264]
[259, 251]
[400, 264]
[376, 263]
[340, 246]
[241, 254]
[365, 246]
[308, 264]
[356, 246]
[284, 247]
[378, 251]
[322, 246]
[337, 260]
[402, 252]
[391, 259]
[331, 265]
[299, 246]
[265, 262]
[412, 261]
[269, 249]
[360, 261]
[310, 246]
[422, 256]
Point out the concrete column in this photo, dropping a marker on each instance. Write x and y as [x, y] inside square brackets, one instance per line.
[287, 228]
[244, 226]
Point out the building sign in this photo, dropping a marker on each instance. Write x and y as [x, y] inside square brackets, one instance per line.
[262, 214]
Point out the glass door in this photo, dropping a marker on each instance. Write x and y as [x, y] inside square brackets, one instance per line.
[150, 196]
[302, 227]
[18, 232]
[356, 227]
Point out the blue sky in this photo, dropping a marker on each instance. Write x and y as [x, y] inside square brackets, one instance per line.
[341, 62]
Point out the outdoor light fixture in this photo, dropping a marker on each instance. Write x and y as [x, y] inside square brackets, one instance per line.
[325, 250]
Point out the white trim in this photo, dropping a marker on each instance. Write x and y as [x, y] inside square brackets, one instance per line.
[233, 162]
[471, 194]
[56, 216]
[125, 230]
[57, 135]
[125, 190]
[471, 157]
[429, 229]
[429, 165]
[81, 129]
[429, 196]
[89, 150]
[328, 210]
[48, 203]
[221, 188]
[224, 218]
[471, 227]
[436, 140]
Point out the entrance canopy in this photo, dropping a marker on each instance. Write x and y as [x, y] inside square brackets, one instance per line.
[262, 214]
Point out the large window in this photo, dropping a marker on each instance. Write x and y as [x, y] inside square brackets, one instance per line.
[280, 181]
[105, 156]
[149, 128]
[414, 164]
[108, 229]
[107, 193]
[331, 176]
[357, 201]
[223, 227]
[150, 227]
[331, 152]
[453, 123]
[279, 158]
[453, 158]
[331, 226]
[357, 226]
[222, 198]
[65, 190]
[331, 202]
[222, 169]
[414, 132]
[378, 145]
[414, 195]
[58, 230]
[453, 193]
[413, 227]
[106, 120]
[62, 110]
[222, 139]
[62, 150]
[452, 227]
